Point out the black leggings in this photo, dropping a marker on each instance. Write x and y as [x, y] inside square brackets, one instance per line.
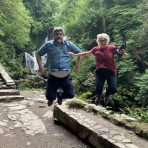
[101, 76]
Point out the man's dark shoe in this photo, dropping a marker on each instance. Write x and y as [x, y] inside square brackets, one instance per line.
[59, 97]
[50, 102]
[60, 101]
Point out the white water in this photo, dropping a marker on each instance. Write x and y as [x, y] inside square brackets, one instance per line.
[31, 62]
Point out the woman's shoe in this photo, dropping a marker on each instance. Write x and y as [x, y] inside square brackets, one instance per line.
[97, 101]
[100, 99]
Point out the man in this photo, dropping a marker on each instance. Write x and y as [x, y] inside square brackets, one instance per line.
[58, 66]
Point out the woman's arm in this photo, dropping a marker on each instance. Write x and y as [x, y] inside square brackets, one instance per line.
[81, 54]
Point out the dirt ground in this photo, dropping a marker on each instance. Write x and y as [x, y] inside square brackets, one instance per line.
[29, 124]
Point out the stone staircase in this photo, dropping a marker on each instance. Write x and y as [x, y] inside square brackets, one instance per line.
[8, 90]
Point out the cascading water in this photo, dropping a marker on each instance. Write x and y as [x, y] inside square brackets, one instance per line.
[31, 62]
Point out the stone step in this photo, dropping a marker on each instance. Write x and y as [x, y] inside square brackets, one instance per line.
[11, 98]
[7, 92]
[11, 87]
[3, 86]
[6, 87]
[1, 82]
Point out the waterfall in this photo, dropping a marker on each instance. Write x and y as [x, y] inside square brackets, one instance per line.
[31, 62]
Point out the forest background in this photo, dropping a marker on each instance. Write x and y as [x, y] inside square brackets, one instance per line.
[24, 25]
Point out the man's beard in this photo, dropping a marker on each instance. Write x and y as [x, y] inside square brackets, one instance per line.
[59, 40]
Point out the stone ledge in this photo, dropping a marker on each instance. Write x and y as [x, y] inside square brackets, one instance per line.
[141, 129]
[90, 131]
[7, 79]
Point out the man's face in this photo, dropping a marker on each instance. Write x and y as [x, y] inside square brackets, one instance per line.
[58, 36]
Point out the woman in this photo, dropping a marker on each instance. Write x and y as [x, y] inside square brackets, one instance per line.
[105, 66]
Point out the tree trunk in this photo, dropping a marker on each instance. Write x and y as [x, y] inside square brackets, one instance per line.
[103, 24]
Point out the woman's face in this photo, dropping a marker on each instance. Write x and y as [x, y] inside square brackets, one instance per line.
[103, 42]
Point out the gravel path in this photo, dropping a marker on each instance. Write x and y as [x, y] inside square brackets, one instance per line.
[29, 124]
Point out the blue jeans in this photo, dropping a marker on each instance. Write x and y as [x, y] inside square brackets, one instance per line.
[54, 83]
[103, 75]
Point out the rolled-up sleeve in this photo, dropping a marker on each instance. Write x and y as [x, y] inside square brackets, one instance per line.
[113, 49]
[93, 50]
[42, 50]
[74, 48]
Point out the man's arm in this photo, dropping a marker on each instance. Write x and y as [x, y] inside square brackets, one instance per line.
[77, 67]
[75, 51]
[42, 69]
[42, 51]
[80, 58]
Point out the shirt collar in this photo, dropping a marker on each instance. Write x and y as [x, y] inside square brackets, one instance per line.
[63, 42]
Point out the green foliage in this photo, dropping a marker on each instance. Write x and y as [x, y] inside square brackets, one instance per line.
[31, 83]
[143, 8]
[85, 96]
[14, 34]
[5, 52]
[78, 15]
[127, 2]
[25, 30]
[14, 22]
[115, 102]
[85, 79]
[42, 24]
[142, 84]
[15, 68]
[126, 72]
[127, 20]
[141, 52]
[139, 113]
[26, 84]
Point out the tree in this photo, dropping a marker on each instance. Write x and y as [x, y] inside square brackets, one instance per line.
[14, 31]
[15, 23]
[42, 12]
[83, 20]
[142, 85]
[141, 55]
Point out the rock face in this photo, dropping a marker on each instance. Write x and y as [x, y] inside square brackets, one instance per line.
[90, 130]
[7, 87]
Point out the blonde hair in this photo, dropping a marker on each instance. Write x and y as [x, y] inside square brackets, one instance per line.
[103, 36]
